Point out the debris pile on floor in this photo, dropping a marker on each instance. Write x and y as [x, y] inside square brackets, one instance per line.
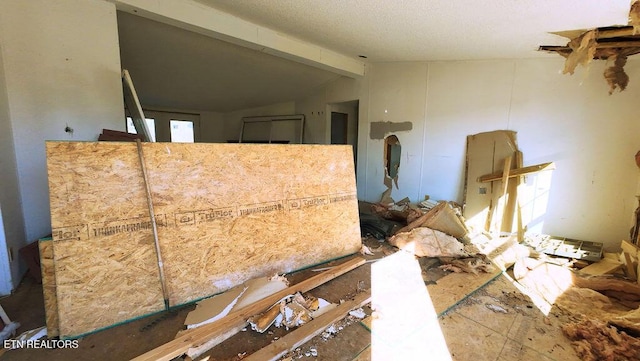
[216, 307]
[605, 295]
[261, 303]
[432, 229]
[290, 312]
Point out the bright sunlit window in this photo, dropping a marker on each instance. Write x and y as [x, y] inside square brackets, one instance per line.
[151, 125]
[182, 131]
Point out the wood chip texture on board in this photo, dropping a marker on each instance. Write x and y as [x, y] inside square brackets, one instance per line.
[49, 287]
[225, 213]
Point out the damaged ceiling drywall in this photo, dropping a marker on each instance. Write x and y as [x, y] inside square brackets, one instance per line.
[613, 44]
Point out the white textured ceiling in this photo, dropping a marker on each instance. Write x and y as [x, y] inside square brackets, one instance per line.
[175, 68]
[418, 30]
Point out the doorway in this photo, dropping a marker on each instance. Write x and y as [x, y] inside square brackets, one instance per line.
[343, 125]
[339, 128]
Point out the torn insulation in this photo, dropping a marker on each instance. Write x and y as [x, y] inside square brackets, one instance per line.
[615, 75]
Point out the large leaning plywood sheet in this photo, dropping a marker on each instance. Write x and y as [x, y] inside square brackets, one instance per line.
[225, 213]
[486, 153]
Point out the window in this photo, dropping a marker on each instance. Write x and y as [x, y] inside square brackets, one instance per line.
[170, 127]
[151, 125]
[182, 131]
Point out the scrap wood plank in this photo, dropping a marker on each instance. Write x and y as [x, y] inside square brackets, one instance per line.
[218, 207]
[630, 248]
[306, 332]
[604, 266]
[630, 267]
[520, 225]
[208, 336]
[518, 172]
[496, 214]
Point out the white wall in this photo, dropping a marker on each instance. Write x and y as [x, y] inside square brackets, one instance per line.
[61, 68]
[397, 95]
[317, 120]
[570, 120]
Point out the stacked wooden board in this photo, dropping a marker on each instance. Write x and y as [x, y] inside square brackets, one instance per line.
[224, 213]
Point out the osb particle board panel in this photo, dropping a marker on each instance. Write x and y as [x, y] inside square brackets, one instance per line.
[485, 155]
[49, 286]
[104, 256]
[226, 213]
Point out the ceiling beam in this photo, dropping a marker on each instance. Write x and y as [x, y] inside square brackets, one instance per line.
[205, 20]
[618, 44]
[617, 32]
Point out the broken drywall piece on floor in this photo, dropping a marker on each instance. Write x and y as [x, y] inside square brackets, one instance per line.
[323, 307]
[358, 313]
[259, 288]
[427, 242]
[443, 217]
[32, 335]
[214, 308]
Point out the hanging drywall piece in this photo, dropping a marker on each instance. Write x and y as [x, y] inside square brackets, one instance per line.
[583, 48]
